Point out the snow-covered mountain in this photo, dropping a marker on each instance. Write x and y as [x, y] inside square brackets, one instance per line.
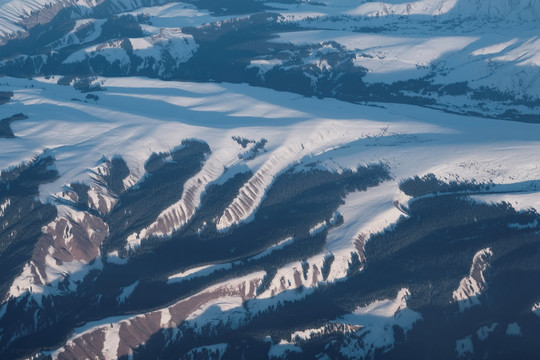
[472, 57]
[110, 152]
[295, 179]
[474, 10]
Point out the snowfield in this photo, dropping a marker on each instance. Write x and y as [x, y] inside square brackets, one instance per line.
[484, 43]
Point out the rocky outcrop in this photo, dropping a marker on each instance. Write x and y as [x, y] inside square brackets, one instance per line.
[470, 287]
[110, 339]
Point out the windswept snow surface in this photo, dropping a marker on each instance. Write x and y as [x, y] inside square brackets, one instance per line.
[435, 10]
[478, 58]
[461, 47]
[213, 313]
[385, 54]
[483, 9]
[485, 43]
[174, 15]
[520, 201]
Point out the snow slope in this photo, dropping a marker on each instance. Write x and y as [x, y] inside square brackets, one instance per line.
[14, 12]
[150, 49]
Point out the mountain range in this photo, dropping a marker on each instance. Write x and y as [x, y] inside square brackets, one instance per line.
[289, 179]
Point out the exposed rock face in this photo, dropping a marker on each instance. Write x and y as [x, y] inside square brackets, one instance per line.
[70, 245]
[250, 194]
[116, 338]
[178, 214]
[472, 286]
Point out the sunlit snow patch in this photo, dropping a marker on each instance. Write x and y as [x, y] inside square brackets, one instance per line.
[126, 292]
[282, 349]
[369, 327]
